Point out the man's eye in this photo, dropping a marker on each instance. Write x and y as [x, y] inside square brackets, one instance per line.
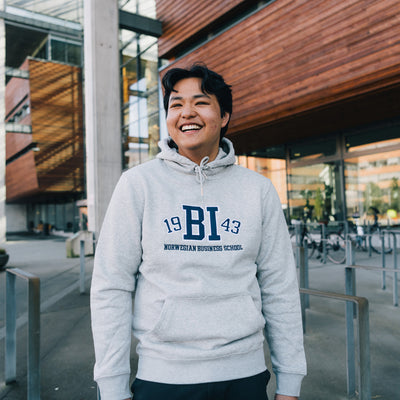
[202, 103]
[174, 105]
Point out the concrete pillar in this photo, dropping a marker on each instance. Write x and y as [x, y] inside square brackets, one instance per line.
[2, 128]
[102, 106]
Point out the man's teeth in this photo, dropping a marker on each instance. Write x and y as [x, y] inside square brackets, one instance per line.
[190, 127]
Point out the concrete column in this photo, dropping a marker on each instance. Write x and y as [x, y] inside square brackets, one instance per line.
[2, 128]
[102, 106]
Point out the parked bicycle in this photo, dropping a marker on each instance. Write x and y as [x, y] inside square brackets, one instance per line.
[363, 236]
[330, 245]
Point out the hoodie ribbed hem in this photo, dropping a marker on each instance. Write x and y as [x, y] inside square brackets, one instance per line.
[114, 387]
[201, 371]
[288, 384]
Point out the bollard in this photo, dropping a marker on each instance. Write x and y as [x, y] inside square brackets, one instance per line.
[82, 267]
[33, 359]
[395, 287]
[362, 364]
[323, 238]
[383, 254]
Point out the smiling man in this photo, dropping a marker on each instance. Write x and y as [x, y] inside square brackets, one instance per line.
[203, 245]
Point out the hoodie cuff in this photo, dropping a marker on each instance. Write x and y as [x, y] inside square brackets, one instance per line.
[115, 387]
[288, 384]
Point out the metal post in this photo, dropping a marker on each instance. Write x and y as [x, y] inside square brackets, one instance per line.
[363, 362]
[82, 270]
[383, 253]
[369, 240]
[350, 345]
[395, 287]
[300, 251]
[34, 339]
[306, 280]
[323, 234]
[33, 359]
[364, 372]
[11, 331]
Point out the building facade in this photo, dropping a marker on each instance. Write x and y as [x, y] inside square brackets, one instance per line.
[62, 158]
[316, 87]
[43, 115]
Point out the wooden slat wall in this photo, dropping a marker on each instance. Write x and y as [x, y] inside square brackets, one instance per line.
[17, 89]
[21, 178]
[57, 125]
[55, 93]
[16, 142]
[293, 56]
[182, 19]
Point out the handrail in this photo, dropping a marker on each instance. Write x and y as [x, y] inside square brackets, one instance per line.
[33, 361]
[351, 267]
[82, 271]
[363, 362]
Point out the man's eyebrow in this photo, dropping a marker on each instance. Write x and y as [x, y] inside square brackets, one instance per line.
[196, 96]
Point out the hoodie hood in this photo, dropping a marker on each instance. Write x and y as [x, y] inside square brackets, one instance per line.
[206, 169]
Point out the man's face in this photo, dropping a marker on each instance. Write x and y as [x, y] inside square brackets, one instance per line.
[194, 120]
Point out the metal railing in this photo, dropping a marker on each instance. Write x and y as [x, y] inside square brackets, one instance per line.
[356, 358]
[351, 268]
[82, 272]
[33, 361]
[82, 259]
[362, 362]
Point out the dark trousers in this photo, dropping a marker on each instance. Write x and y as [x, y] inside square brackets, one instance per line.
[254, 388]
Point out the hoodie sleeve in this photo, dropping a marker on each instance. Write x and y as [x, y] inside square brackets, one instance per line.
[117, 259]
[280, 298]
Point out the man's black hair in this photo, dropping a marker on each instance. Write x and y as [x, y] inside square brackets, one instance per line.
[211, 83]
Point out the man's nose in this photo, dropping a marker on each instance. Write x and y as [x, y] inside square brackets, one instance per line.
[188, 111]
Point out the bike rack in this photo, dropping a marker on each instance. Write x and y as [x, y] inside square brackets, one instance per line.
[33, 361]
[363, 348]
[363, 351]
[351, 272]
[394, 233]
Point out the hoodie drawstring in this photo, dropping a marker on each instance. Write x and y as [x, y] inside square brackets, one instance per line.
[199, 169]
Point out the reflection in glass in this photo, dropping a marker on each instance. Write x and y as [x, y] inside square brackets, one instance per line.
[274, 169]
[140, 91]
[146, 8]
[315, 193]
[71, 10]
[372, 181]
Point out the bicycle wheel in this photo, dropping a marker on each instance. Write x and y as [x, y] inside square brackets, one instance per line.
[336, 248]
[388, 246]
[311, 245]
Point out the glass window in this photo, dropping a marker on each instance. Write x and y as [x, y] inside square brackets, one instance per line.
[315, 193]
[65, 52]
[388, 135]
[140, 98]
[71, 10]
[313, 149]
[372, 183]
[147, 8]
[272, 168]
[58, 50]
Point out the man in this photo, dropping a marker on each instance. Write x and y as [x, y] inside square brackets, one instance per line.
[204, 246]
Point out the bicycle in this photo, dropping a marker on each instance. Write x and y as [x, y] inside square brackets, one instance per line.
[332, 247]
[363, 241]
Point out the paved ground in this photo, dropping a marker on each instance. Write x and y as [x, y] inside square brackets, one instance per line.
[67, 350]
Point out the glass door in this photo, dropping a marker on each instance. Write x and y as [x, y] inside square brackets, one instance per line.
[315, 192]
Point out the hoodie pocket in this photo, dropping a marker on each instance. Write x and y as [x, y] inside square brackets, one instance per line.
[208, 322]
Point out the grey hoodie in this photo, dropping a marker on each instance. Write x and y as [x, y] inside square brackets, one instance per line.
[206, 250]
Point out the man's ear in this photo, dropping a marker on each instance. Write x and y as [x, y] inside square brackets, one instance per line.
[225, 119]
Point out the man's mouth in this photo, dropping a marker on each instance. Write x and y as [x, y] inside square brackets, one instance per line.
[191, 127]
